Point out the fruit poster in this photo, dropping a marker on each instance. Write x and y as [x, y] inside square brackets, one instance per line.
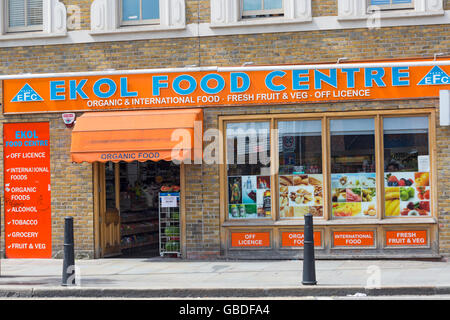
[301, 194]
[249, 197]
[407, 194]
[28, 229]
[353, 194]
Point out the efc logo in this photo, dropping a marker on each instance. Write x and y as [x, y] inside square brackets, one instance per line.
[27, 94]
[436, 76]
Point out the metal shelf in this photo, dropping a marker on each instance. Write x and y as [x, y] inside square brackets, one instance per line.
[169, 223]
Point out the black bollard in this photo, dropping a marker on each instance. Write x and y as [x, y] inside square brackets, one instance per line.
[68, 276]
[309, 268]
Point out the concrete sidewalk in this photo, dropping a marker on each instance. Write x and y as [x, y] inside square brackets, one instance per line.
[222, 278]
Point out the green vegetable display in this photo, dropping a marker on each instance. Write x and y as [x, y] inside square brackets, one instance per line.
[173, 246]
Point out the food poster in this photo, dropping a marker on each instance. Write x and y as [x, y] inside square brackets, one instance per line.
[301, 194]
[407, 194]
[353, 194]
[249, 197]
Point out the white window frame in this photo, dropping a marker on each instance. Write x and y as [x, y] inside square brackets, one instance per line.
[359, 9]
[106, 18]
[54, 23]
[139, 21]
[249, 14]
[397, 6]
[228, 13]
[38, 27]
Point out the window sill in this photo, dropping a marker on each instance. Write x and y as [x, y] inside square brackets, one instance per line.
[259, 22]
[134, 29]
[393, 14]
[333, 222]
[31, 35]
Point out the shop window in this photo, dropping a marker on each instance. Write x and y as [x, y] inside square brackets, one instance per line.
[136, 12]
[24, 15]
[407, 166]
[261, 8]
[353, 179]
[375, 9]
[248, 170]
[242, 13]
[390, 4]
[110, 186]
[300, 178]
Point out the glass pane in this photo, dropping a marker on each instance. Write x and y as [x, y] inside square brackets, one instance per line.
[34, 12]
[110, 186]
[353, 177]
[273, 4]
[150, 9]
[252, 5]
[130, 10]
[407, 166]
[401, 1]
[300, 168]
[248, 170]
[16, 13]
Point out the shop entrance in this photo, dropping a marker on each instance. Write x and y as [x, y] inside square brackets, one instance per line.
[132, 221]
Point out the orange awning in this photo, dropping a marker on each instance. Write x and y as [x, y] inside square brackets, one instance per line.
[138, 135]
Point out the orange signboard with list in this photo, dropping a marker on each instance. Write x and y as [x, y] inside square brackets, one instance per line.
[28, 230]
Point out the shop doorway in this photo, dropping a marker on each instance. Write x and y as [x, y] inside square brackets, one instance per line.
[131, 222]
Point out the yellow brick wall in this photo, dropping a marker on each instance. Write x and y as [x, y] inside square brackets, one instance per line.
[199, 10]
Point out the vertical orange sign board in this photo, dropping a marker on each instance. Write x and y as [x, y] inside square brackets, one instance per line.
[353, 238]
[27, 189]
[406, 238]
[250, 239]
[296, 239]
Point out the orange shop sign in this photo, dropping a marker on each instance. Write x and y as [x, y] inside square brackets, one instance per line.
[353, 238]
[227, 86]
[28, 228]
[250, 239]
[297, 239]
[406, 238]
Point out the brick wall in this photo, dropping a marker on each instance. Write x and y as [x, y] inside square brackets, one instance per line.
[199, 10]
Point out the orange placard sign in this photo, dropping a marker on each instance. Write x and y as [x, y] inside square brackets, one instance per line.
[28, 230]
[227, 87]
[250, 239]
[296, 239]
[353, 238]
[406, 238]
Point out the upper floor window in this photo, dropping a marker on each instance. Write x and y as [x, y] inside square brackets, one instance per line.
[262, 8]
[24, 15]
[137, 12]
[390, 4]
